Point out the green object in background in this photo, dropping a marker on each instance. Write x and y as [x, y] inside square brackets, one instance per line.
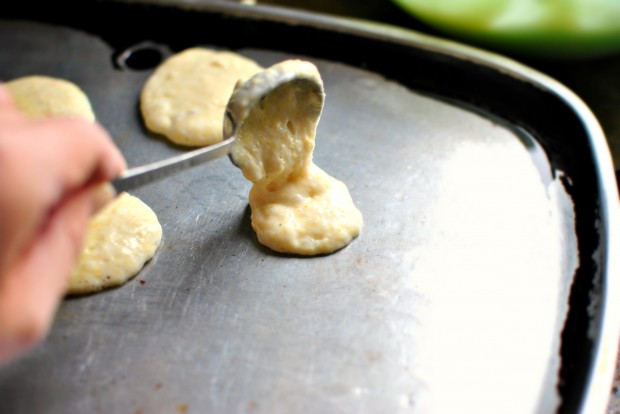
[542, 28]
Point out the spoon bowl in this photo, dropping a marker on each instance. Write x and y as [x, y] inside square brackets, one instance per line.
[274, 116]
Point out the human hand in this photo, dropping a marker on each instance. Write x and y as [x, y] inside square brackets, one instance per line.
[51, 183]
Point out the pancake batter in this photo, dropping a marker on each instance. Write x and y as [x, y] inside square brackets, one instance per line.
[45, 97]
[296, 206]
[185, 98]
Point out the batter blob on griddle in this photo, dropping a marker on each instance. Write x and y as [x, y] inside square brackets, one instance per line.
[185, 98]
[119, 240]
[39, 97]
[296, 206]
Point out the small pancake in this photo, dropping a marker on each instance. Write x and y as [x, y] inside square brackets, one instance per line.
[122, 236]
[185, 98]
[120, 239]
[46, 97]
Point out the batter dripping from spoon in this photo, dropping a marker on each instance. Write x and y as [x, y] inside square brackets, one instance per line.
[296, 206]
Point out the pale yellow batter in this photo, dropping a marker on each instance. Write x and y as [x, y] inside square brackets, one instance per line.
[121, 237]
[185, 98]
[45, 97]
[296, 206]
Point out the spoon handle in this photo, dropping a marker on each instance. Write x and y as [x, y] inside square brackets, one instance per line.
[144, 174]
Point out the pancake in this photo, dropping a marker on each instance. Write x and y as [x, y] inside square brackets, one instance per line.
[45, 97]
[120, 239]
[185, 98]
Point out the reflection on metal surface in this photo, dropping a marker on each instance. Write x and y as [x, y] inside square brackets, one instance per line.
[486, 202]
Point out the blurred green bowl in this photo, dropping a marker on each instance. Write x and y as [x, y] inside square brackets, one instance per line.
[540, 28]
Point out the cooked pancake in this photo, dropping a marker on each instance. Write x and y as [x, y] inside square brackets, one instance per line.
[45, 97]
[185, 98]
[120, 239]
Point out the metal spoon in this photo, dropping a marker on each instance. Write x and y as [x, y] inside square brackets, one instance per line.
[242, 101]
[144, 174]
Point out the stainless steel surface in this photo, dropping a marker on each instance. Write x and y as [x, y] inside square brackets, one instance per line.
[144, 174]
[460, 276]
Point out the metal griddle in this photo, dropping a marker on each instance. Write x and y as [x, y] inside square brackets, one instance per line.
[481, 278]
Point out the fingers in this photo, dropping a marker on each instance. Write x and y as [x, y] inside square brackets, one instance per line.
[8, 110]
[88, 153]
[34, 285]
[5, 97]
[53, 176]
[102, 195]
[41, 163]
